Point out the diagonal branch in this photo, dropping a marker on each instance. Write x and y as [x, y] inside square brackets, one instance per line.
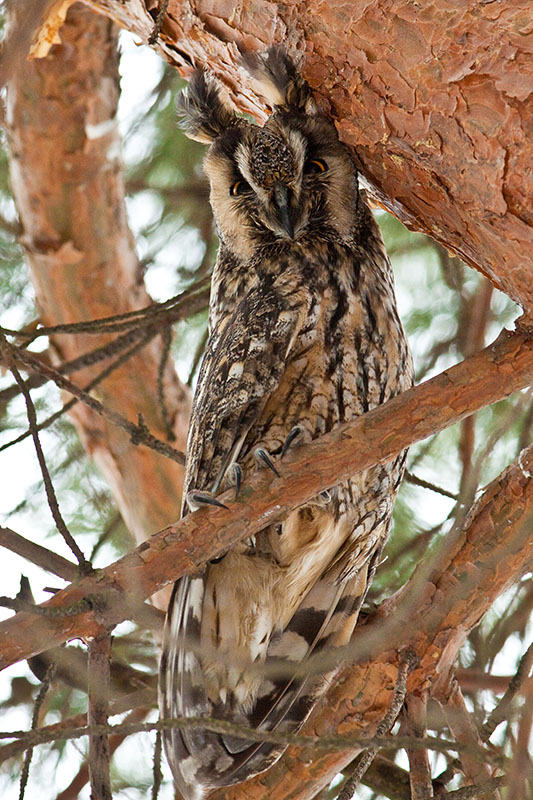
[484, 378]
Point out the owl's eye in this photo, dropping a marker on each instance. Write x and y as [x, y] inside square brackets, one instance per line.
[316, 166]
[239, 187]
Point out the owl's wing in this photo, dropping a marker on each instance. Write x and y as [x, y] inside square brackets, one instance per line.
[243, 365]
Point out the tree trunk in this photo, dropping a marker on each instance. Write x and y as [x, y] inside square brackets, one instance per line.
[66, 175]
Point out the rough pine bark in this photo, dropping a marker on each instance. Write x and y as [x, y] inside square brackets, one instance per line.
[435, 98]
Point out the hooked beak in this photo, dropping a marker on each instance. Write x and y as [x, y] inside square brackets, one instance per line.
[281, 199]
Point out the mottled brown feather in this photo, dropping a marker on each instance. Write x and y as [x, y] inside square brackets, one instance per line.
[304, 332]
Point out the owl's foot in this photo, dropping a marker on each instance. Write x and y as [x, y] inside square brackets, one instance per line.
[262, 456]
[294, 434]
[197, 499]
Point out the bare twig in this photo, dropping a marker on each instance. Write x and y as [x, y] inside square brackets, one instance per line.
[138, 433]
[28, 739]
[385, 777]
[74, 788]
[39, 700]
[52, 733]
[407, 662]
[157, 774]
[162, 10]
[501, 711]
[416, 481]
[521, 771]
[99, 659]
[476, 790]
[183, 305]
[84, 565]
[37, 554]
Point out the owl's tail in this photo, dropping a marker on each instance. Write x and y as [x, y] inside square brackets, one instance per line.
[201, 759]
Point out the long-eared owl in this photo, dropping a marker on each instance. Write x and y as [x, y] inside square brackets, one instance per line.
[303, 336]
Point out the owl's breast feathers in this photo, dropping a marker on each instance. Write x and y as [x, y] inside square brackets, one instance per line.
[312, 340]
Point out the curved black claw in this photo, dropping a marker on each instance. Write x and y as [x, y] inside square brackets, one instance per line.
[294, 433]
[262, 456]
[196, 500]
[237, 477]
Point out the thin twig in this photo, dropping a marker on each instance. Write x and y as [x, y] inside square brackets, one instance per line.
[415, 713]
[37, 554]
[74, 788]
[122, 359]
[88, 603]
[157, 774]
[84, 565]
[140, 697]
[27, 739]
[183, 305]
[152, 39]
[39, 700]
[463, 727]
[416, 481]
[475, 790]
[404, 667]
[499, 714]
[166, 335]
[138, 434]
[521, 770]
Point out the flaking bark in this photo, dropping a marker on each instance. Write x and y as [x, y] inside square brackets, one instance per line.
[434, 97]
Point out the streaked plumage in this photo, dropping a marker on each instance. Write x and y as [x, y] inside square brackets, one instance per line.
[303, 332]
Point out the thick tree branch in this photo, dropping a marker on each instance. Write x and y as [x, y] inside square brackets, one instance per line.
[486, 377]
[433, 614]
[434, 98]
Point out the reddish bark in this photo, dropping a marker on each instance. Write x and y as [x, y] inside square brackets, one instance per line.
[433, 614]
[433, 96]
[379, 435]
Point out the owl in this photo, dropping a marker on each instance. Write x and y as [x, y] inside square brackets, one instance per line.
[304, 335]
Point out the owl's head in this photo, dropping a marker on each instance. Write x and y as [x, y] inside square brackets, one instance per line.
[289, 180]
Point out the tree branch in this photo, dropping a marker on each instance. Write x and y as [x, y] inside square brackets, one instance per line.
[492, 374]
[98, 690]
[440, 127]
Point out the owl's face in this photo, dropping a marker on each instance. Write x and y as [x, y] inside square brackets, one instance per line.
[285, 182]
[288, 180]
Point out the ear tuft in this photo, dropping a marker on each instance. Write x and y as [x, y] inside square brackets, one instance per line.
[203, 108]
[276, 78]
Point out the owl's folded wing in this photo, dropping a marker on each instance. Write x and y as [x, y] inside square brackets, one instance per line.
[241, 369]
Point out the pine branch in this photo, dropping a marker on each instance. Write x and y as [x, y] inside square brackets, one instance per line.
[381, 434]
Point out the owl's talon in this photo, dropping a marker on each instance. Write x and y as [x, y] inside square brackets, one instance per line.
[293, 434]
[237, 477]
[262, 456]
[196, 500]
